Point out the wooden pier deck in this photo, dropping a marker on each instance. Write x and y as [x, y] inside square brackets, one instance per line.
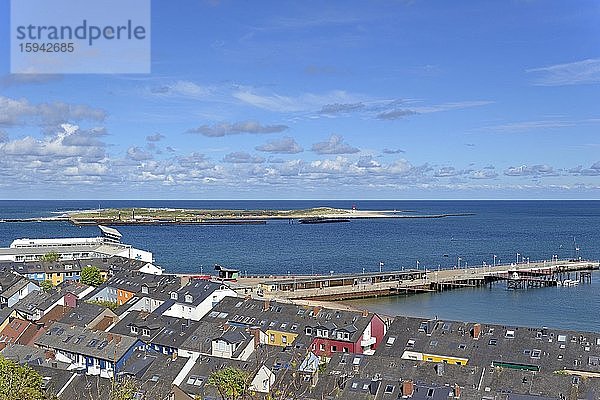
[353, 286]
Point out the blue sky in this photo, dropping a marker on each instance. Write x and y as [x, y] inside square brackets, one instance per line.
[381, 99]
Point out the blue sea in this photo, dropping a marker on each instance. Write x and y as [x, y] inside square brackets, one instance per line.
[534, 229]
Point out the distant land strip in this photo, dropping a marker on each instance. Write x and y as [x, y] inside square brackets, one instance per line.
[173, 216]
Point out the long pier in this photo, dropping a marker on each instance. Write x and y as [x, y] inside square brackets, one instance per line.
[353, 286]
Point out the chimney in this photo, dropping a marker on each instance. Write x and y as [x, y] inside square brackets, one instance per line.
[225, 327]
[255, 332]
[365, 313]
[408, 388]
[266, 305]
[456, 391]
[316, 310]
[476, 331]
[439, 369]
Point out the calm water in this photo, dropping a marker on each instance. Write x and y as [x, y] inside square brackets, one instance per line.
[535, 229]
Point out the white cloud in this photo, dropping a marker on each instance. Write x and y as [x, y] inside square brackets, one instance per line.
[285, 145]
[574, 73]
[13, 112]
[334, 145]
[181, 89]
[226, 128]
[241, 157]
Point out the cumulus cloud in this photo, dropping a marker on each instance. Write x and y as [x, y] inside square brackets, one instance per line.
[367, 162]
[195, 161]
[531, 170]
[285, 145]
[445, 172]
[593, 170]
[335, 145]
[157, 137]
[485, 173]
[392, 151]
[20, 111]
[137, 154]
[226, 128]
[69, 142]
[241, 157]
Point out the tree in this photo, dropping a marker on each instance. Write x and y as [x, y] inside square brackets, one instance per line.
[46, 285]
[232, 383]
[50, 257]
[19, 382]
[124, 390]
[91, 276]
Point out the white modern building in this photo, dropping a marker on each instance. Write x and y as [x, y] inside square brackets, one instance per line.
[105, 246]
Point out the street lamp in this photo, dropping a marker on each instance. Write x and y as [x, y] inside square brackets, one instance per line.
[518, 254]
[417, 265]
[459, 260]
[495, 256]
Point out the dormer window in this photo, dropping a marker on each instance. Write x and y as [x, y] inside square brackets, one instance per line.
[174, 295]
[145, 332]
[145, 289]
[134, 330]
[188, 298]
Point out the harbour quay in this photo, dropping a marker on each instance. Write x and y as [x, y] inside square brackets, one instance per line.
[525, 275]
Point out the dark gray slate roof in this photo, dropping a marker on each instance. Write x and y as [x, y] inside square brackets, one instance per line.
[74, 339]
[83, 314]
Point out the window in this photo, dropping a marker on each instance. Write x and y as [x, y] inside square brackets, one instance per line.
[322, 346]
[334, 348]
[308, 330]
[283, 339]
[493, 342]
[272, 337]
[410, 343]
[389, 389]
[536, 353]
[390, 341]
[462, 346]
[346, 349]
[510, 334]
[174, 295]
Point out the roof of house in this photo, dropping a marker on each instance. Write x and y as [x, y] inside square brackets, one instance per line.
[162, 330]
[37, 300]
[287, 317]
[541, 348]
[153, 372]
[83, 314]
[17, 331]
[13, 285]
[132, 281]
[196, 291]
[78, 340]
